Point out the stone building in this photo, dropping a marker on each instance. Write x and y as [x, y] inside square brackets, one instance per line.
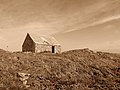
[35, 43]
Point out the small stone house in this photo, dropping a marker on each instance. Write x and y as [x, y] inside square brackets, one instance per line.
[35, 43]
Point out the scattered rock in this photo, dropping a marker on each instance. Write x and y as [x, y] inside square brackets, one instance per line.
[24, 77]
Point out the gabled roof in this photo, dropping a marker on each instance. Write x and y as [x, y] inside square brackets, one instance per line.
[43, 39]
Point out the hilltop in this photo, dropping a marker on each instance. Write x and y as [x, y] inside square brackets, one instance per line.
[81, 69]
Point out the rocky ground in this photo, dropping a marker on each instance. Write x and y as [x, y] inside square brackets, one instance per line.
[81, 69]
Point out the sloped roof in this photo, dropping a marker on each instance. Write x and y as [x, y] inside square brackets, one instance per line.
[43, 39]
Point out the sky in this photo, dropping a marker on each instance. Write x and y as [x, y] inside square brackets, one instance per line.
[76, 24]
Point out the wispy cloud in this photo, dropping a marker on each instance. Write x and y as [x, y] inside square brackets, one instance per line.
[97, 22]
[108, 19]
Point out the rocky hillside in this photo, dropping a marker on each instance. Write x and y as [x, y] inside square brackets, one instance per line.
[81, 69]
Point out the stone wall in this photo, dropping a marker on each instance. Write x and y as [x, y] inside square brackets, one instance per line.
[28, 45]
[57, 49]
[45, 47]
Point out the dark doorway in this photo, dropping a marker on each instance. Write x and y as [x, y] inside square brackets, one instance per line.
[53, 49]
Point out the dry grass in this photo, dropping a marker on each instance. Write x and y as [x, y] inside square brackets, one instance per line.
[73, 70]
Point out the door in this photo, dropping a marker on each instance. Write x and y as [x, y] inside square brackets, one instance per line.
[53, 49]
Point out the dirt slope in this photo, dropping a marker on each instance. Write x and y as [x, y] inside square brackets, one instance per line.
[72, 70]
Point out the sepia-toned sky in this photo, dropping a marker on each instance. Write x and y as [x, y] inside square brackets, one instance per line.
[93, 24]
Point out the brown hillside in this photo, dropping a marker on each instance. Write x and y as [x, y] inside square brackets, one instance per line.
[72, 70]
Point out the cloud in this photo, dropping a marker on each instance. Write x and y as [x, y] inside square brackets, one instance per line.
[34, 27]
[108, 19]
[98, 22]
